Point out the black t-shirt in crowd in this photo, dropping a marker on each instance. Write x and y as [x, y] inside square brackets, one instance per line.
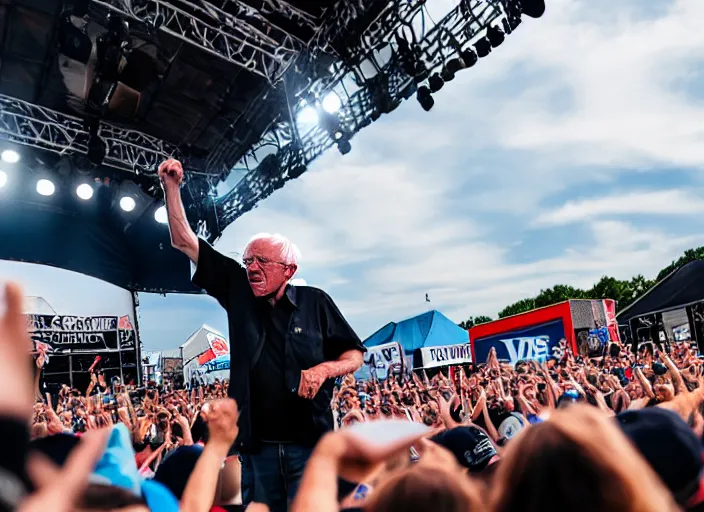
[278, 415]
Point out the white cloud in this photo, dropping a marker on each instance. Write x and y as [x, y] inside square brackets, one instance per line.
[657, 202]
[440, 202]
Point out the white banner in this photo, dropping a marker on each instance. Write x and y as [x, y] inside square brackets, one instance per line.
[448, 355]
[384, 359]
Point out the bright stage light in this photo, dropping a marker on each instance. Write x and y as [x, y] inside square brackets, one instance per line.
[332, 103]
[127, 204]
[84, 191]
[161, 216]
[10, 156]
[3, 179]
[308, 116]
[45, 187]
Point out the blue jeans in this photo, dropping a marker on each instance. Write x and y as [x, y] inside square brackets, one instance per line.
[278, 469]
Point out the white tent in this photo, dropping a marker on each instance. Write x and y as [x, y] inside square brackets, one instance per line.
[206, 356]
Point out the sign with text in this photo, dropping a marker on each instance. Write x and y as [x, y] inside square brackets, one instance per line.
[384, 360]
[84, 333]
[447, 355]
[536, 342]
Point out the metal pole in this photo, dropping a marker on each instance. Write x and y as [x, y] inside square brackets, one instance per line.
[137, 337]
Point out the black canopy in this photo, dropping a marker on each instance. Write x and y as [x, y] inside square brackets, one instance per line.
[683, 287]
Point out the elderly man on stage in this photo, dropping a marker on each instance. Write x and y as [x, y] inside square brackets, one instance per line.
[287, 345]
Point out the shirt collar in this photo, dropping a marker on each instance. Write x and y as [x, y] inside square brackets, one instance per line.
[291, 295]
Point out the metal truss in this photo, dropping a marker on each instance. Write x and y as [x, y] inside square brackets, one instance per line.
[293, 151]
[36, 126]
[229, 29]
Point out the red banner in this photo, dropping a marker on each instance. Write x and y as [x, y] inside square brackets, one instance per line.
[611, 323]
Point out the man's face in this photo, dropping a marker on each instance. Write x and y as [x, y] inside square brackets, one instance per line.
[266, 271]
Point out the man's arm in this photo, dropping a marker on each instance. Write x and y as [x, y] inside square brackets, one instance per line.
[182, 236]
[348, 362]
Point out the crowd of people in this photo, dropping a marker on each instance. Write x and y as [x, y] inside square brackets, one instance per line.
[292, 430]
[617, 432]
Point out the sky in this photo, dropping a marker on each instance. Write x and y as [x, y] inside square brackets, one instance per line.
[575, 150]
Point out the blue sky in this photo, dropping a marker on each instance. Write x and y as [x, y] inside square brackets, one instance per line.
[575, 150]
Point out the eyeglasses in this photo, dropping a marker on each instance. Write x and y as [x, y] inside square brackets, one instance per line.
[263, 262]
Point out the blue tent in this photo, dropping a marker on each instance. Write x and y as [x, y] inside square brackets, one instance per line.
[431, 329]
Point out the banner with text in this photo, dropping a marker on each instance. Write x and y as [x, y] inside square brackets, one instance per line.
[384, 360]
[447, 355]
[58, 333]
[535, 342]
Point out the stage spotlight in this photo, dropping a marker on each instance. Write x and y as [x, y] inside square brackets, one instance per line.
[3, 179]
[332, 102]
[425, 98]
[10, 156]
[483, 47]
[469, 58]
[533, 8]
[45, 187]
[161, 216]
[495, 35]
[435, 82]
[344, 146]
[127, 204]
[308, 116]
[84, 191]
[451, 69]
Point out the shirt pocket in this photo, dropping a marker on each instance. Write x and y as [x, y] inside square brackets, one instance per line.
[307, 346]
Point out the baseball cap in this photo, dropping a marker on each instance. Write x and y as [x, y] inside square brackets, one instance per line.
[512, 425]
[669, 445]
[470, 445]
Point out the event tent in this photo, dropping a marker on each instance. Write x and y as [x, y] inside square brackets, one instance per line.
[431, 329]
[681, 288]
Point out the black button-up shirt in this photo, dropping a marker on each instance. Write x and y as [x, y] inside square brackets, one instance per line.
[317, 332]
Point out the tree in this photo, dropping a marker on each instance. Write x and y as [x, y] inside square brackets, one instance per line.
[472, 321]
[558, 293]
[688, 256]
[611, 288]
[521, 306]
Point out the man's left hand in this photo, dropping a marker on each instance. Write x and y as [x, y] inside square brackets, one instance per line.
[311, 380]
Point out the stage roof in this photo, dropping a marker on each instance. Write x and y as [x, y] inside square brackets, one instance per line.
[99, 92]
[683, 287]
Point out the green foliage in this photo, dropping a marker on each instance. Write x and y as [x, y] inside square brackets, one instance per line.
[688, 256]
[472, 321]
[623, 292]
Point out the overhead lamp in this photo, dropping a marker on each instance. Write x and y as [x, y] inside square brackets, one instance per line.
[344, 146]
[10, 156]
[451, 68]
[483, 47]
[533, 8]
[127, 203]
[469, 57]
[308, 116]
[3, 179]
[425, 98]
[495, 35]
[84, 191]
[332, 102]
[435, 82]
[45, 187]
[161, 216]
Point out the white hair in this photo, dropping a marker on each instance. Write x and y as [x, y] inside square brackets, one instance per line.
[290, 255]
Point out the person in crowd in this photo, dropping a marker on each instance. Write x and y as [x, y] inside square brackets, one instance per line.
[288, 343]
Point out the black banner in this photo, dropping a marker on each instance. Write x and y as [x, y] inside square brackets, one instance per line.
[84, 333]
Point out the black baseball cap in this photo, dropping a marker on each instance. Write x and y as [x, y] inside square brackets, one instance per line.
[470, 445]
[669, 445]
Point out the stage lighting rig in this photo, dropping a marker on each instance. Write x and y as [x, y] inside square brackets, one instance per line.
[425, 98]
[435, 82]
[533, 8]
[112, 48]
[482, 47]
[495, 35]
